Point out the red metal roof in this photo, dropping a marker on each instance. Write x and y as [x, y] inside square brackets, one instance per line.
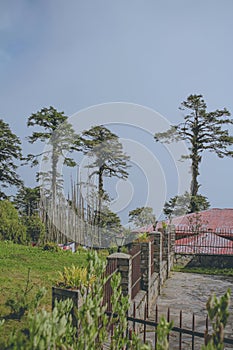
[213, 219]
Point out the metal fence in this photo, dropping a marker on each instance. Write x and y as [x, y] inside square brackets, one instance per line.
[179, 338]
[152, 257]
[204, 242]
[135, 252]
[136, 277]
[111, 268]
[188, 231]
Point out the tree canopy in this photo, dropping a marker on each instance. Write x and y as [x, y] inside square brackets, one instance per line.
[11, 226]
[203, 131]
[108, 158]
[61, 139]
[10, 153]
[107, 151]
[142, 216]
[181, 205]
[27, 200]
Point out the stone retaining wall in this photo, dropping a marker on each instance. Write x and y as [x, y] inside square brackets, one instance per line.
[151, 283]
[215, 261]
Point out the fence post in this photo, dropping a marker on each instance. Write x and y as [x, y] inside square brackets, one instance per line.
[158, 256]
[146, 269]
[172, 231]
[166, 249]
[124, 265]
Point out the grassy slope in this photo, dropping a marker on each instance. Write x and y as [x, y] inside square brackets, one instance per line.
[15, 260]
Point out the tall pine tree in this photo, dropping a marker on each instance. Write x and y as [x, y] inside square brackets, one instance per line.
[10, 154]
[61, 138]
[109, 160]
[203, 131]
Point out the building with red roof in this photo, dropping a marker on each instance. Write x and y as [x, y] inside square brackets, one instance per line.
[207, 232]
[215, 220]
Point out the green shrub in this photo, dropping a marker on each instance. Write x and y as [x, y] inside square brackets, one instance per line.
[11, 226]
[143, 237]
[218, 311]
[35, 228]
[46, 330]
[74, 277]
[163, 330]
[50, 246]
[113, 249]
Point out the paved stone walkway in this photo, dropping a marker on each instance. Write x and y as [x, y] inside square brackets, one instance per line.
[189, 292]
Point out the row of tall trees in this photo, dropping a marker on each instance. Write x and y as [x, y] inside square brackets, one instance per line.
[99, 144]
[200, 129]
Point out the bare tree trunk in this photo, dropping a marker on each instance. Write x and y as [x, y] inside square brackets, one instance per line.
[196, 158]
[100, 197]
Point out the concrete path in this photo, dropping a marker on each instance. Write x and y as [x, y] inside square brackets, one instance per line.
[189, 292]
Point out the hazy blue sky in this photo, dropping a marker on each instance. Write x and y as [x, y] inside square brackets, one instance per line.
[73, 54]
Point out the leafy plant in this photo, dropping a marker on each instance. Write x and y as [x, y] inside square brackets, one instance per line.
[46, 330]
[51, 246]
[218, 313]
[113, 249]
[75, 277]
[163, 330]
[120, 305]
[92, 330]
[124, 249]
[143, 237]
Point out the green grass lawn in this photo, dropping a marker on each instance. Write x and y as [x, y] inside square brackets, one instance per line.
[15, 260]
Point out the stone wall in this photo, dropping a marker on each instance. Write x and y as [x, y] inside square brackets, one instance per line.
[215, 261]
[164, 272]
[155, 288]
[151, 283]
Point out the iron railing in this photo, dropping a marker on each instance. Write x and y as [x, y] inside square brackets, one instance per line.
[179, 338]
[204, 242]
[111, 268]
[135, 252]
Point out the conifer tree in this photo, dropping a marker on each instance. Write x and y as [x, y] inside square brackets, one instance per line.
[10, 154]
[203, 131]
[61, 139]
[109, 160]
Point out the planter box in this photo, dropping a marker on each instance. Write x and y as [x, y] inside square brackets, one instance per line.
[63, 294]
